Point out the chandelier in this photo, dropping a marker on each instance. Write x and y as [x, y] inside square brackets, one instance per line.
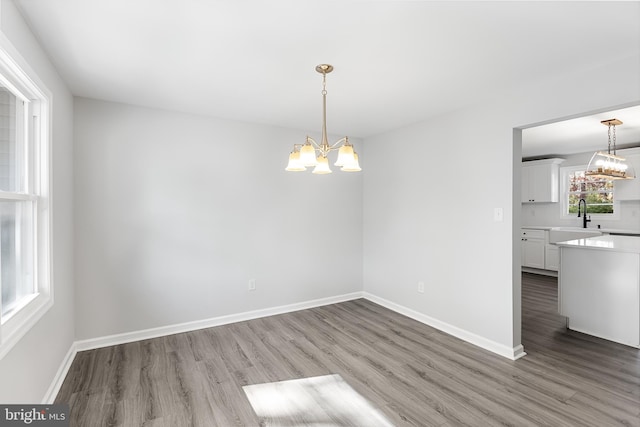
[607, 165]
[312, 154]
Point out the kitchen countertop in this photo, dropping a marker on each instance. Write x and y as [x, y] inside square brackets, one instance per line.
[629, 244]
[602, 230]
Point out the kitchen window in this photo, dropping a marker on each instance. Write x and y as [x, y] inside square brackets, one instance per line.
[25, 276]
[597, 192]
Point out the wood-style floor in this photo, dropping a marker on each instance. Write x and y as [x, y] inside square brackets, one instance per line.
[414, 374]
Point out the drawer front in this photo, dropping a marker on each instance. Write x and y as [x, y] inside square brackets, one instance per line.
[532, 233]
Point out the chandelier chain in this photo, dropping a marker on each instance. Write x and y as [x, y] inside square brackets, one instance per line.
[610, 138]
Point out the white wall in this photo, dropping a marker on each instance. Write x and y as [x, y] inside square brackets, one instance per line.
[176, 213]
[169, 229]
[549, 214]
[28, 369]
[429, 217]
[429, 196]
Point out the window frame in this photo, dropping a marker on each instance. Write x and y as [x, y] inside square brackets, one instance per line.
[19, 78]
[565, 171]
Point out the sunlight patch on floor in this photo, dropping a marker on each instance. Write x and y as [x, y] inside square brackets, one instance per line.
[318, 401]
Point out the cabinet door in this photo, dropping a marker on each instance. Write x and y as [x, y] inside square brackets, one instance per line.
[551, 258]
[533, 253]
[527, 193]
[540, 183]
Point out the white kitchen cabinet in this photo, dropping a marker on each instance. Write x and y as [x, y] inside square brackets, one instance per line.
[629, 189]
[551, 257]
[533, 247]
[540, 180]
[599, 287]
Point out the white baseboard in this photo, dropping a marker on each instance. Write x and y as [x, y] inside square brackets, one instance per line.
[482, 342]
[209, 323]
[93, 343]
[54, 388]
[518, 352]
[106, 341]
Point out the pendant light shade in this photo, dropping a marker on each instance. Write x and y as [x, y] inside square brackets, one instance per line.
[322, 166]
[295, 165]
[345, 155]
[307, 154]
[608, 165]
[353, 166]
[313, 154]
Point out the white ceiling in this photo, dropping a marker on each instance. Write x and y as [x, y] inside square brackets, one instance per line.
[396, 62]
[582, 134]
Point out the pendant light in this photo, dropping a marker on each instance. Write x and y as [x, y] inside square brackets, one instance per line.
[312, 154]
[607, 165]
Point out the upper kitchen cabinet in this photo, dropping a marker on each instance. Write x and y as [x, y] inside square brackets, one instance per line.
[540, 180]
[629, 189]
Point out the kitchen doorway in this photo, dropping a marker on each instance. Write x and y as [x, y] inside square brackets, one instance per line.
[574, 138]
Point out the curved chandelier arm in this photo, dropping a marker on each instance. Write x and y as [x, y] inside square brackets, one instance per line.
[343, 139]
[331, 147]
[326, 149]
[313, 142]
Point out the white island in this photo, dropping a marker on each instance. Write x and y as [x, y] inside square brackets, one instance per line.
[599, 287]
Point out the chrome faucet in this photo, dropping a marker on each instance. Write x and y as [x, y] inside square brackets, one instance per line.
[585, 220]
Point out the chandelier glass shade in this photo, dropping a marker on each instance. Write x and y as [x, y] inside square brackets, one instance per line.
[608, 165]
[312, 154]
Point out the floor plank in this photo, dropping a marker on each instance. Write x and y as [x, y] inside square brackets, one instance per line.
[414, 374]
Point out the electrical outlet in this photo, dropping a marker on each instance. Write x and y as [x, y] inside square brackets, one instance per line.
[421, 287]
[252, 284]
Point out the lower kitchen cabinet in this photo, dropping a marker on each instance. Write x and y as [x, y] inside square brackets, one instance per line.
[537, 252]
[598, 288]
[533, 248]
[551, 257]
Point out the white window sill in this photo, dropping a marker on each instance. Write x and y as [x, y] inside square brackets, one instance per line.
[20, 321]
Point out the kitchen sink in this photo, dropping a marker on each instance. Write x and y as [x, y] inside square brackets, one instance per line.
[563, 234]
